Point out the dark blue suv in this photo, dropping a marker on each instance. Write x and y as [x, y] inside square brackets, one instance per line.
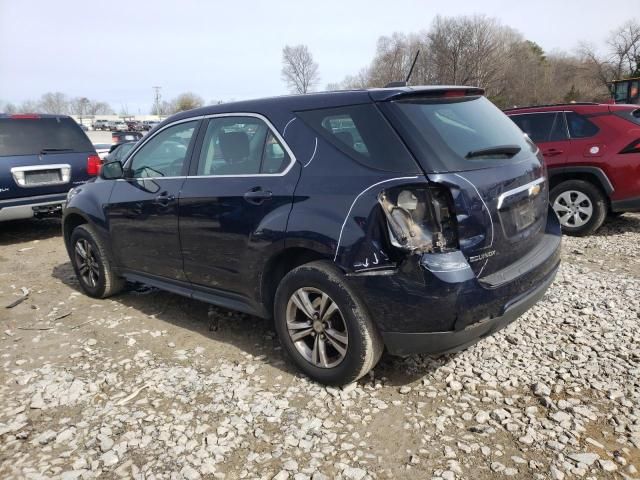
[411, 218]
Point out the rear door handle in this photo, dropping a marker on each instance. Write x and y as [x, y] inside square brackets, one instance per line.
[164, 199]
[257, 195]
[552, 152]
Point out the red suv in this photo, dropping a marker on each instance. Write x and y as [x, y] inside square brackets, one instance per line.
[592, 152]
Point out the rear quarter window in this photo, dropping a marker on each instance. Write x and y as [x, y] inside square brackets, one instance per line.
[580, 127]
[30, 136]
[362, 133]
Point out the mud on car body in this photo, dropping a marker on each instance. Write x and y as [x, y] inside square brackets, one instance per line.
[414, 219]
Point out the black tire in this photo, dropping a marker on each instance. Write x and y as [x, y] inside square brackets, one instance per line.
[99, 279]
[365, 344]
[595, 199]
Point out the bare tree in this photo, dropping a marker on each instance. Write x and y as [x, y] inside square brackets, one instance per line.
[99, 108]
[299, 70]
[29, 106]
[54, 102]
[477, 50]
[187, 101]
[622, 58]
[80, 106]
[624, 45]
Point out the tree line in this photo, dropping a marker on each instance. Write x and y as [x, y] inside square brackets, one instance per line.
[463, 50]
[480, 51]
[58, 103]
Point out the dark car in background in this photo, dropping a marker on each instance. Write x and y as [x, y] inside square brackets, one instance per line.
[415, 219]
[101, 125]
[149, 124]
[121, 137]
[41, 158]
[119, 151]
[592, 152]
[135, 126]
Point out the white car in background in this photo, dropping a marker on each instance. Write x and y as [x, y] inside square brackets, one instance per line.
[120, 126]
[102, 149]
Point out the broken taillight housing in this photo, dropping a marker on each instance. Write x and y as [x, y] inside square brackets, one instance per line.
[420, 218]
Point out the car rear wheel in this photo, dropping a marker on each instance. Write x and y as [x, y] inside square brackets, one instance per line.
[323, 325]
[92, 264]
[580, 206]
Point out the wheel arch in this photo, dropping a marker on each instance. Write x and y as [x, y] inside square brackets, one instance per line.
[593, 175]
[282, 263]
[70, 222]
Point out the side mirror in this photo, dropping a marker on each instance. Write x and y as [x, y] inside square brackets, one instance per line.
[112, 171]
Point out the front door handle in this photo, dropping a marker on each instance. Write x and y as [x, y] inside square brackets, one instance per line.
[164, 199]
[257, 195]
[552, 152]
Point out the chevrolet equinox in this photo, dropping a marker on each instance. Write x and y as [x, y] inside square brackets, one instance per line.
[411, 218]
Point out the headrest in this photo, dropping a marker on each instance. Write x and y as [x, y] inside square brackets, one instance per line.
[234, 146]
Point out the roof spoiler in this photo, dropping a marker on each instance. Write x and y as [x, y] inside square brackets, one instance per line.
[381, 95]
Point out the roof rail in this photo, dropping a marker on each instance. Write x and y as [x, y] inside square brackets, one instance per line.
[566, 104]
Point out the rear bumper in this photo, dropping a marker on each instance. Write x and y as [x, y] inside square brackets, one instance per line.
[23, 208]
[435, 343]
[426, 307]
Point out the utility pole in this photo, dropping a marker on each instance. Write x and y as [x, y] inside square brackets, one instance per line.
[157, 100]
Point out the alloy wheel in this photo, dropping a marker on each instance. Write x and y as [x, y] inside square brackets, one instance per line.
[87, 263]
[316, 327]
[573, 208]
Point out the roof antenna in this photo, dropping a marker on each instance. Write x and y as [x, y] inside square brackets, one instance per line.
[406, 82]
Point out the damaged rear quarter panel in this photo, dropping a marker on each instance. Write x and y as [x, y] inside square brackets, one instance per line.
[344, 208]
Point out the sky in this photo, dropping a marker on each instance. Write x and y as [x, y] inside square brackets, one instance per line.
[116, 51]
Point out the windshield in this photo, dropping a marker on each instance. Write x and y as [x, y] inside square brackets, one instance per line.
[459, 133]
[31, 136]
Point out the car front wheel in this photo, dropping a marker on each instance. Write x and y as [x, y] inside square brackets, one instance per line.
[323, 325]
[580, 206]
[93, 266]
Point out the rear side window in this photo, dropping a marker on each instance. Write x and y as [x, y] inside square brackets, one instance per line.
[362, 133]
[446, 134]
[542, 127]
[580, 127]
[241, 146]
[31, 136]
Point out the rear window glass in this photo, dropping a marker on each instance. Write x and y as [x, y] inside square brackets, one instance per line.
[362, 133]
[446, 134]
[31, 136]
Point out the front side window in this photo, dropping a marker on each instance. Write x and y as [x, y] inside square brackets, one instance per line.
[580, 127]
[241, 146]
[165, 154]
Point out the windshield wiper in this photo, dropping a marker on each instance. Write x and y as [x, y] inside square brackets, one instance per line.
[503, 150]
[44, 151]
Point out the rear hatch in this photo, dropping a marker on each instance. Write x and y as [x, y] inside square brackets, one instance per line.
[42, 155]
[494, 173]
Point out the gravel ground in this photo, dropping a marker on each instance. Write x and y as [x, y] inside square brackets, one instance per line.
[151, 385]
